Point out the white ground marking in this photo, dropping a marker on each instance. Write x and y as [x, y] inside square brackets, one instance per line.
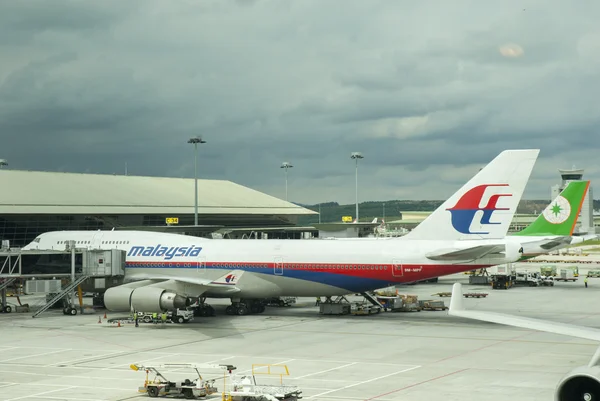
[327, 370]
[39, 394]
[71, 399]
[31, 356]
[95, 377]
[85, 359]
[250, 370]
[364, 382]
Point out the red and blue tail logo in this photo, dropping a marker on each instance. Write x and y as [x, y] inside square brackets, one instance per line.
[467, 206]
[230, 278]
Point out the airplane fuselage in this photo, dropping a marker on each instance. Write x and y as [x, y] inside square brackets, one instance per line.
[273, 267]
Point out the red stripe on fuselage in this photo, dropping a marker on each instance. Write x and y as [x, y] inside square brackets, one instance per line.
[392, 273]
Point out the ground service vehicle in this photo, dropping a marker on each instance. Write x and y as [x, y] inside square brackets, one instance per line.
[566, 275]
[547, 281]
[177, 316]
[527, 278]
[189, 388]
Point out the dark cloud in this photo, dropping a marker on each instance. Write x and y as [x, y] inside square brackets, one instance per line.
[423, 91]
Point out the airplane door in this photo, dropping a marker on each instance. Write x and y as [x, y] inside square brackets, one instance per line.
[97, 240]
[397, 270]
[201, 264]
[278, 266]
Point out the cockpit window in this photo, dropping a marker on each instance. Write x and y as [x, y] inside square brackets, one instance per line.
[37, 240]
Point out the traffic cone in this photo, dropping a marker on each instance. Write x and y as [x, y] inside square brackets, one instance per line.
[99, 319]
[105, 315]
[119, 323]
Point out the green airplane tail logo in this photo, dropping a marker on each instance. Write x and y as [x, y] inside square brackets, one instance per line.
[560, 217]
[558, 212]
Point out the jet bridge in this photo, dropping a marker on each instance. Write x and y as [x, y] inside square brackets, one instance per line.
[100, 269]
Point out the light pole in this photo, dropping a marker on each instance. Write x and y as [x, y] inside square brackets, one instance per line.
[356, 156]
[196, 140]
[286, 165]
[3, 163]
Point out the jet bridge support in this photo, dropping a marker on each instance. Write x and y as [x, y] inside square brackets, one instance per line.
[69, 288]
[3, 286]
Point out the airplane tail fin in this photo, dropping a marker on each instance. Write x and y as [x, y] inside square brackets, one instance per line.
[560, 216]
[484, 207]
[230, 278]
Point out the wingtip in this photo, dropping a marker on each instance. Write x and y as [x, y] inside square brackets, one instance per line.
[456, 299]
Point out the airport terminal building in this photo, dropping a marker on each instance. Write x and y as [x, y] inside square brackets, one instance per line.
[34, 202]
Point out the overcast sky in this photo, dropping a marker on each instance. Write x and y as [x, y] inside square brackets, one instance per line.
[428, 91]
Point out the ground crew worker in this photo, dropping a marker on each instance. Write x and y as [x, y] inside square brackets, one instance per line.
[585, 281]
[318, 301]
[135, 319]
[164, 317]
[155, 317]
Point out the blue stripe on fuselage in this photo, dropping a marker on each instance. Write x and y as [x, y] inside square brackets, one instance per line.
[347, 282]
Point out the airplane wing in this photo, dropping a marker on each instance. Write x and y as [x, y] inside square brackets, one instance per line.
[457, 309]
[554, 242]
[475, 252]
[579, 238]
[226, 283]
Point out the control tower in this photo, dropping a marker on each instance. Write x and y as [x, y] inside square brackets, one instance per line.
[586, 218]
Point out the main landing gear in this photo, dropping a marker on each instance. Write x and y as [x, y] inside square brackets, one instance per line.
[245, 307]
[203, 309]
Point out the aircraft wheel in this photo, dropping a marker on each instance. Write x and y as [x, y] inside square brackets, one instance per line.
[7, 309]
[242, 310]
[152, 391]
[230, 310]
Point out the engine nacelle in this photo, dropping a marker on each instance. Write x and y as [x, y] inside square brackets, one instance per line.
[581, 384]
[118, 299]
[154, 299]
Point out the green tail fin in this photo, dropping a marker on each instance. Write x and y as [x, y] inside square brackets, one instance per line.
[561, 214]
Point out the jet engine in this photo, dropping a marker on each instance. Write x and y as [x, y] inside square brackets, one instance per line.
[140, 297]
[118, 299]
[153, 299]
[581, 384]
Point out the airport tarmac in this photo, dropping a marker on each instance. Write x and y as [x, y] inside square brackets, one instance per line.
[413, 356]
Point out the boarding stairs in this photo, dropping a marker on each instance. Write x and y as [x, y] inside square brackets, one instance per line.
[6, 283]
[60, 295]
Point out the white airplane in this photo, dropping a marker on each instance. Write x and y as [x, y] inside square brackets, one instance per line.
[582, 383]
[163, 271]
